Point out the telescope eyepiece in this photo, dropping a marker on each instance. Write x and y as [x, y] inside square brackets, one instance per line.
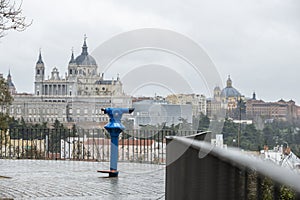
[130, 110]
[104, 110]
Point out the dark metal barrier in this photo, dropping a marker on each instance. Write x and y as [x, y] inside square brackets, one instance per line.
[147, 146]
[197, 170]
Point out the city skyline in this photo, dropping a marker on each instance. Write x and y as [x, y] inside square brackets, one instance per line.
[255, 42]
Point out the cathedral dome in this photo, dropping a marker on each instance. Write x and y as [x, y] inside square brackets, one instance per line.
[84, 58]
[230, 91]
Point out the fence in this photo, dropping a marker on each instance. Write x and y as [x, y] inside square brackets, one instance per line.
[147, 146]
[196, 170]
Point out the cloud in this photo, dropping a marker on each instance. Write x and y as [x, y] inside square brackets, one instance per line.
[257, 42]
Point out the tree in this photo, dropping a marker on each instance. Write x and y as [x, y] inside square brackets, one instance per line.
[5, 101]
[11, 17]
[268, 135]
[58, 132]
[5, 96]
[203, 123]
[184, 125]
[251, 138]
[230, 130]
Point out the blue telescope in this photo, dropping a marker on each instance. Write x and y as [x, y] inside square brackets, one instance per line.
[114, 127]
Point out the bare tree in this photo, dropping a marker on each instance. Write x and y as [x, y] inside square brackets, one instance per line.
[11, 17]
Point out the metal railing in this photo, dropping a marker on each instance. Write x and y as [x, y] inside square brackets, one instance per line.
[146, 146]
[197, 170]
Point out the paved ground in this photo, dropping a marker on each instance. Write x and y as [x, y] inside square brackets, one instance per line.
[47, 179]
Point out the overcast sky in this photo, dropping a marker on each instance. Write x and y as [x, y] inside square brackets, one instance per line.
[257, 42]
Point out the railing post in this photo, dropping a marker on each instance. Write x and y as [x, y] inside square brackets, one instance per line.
[27, 140]
[133, 148]
[18, 135]
[69, 142]
[1, 143]
[258, 187]
[5, 144]
[151, 147]
[297, 195]
[93, 144]
[40, 141]
[276, 191]
[223, 180]
[82, 145]
[246, 189]
[237, 183]
[121, 148]
[47, 140]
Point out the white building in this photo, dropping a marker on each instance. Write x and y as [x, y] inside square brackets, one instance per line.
[218, 141]
[197, 101]
[75, 98]
[152, 112]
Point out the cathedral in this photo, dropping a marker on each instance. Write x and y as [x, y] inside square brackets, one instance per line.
[77, 97]
[228, 100]
[82, 79]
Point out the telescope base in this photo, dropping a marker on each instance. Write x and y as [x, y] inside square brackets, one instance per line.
[111, 173]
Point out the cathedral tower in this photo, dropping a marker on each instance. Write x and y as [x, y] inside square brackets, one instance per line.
[39, 75]
[72, 68]
[39, 69]
[11, 86]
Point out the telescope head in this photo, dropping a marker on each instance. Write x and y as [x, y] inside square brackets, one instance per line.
[115, 114]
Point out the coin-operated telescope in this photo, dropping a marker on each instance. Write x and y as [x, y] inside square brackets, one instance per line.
[114, 127]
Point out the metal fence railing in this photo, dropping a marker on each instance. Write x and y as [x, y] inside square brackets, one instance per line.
[198, 170]
[147, 146]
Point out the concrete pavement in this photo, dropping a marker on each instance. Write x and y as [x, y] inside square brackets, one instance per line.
[50, 179]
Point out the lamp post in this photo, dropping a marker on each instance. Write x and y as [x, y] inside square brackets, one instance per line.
[234, 142]
[240, 118]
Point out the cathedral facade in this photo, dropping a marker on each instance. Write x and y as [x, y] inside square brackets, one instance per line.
[75, 98]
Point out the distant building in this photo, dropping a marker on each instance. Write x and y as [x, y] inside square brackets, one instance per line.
[215, 105]
[243, 121]
[152, 112]
[219, 141]
[230, 95]
[75, 98]
[10, 84]
[283, 156]
[228, 100]
[198, 102]
[280, 110]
